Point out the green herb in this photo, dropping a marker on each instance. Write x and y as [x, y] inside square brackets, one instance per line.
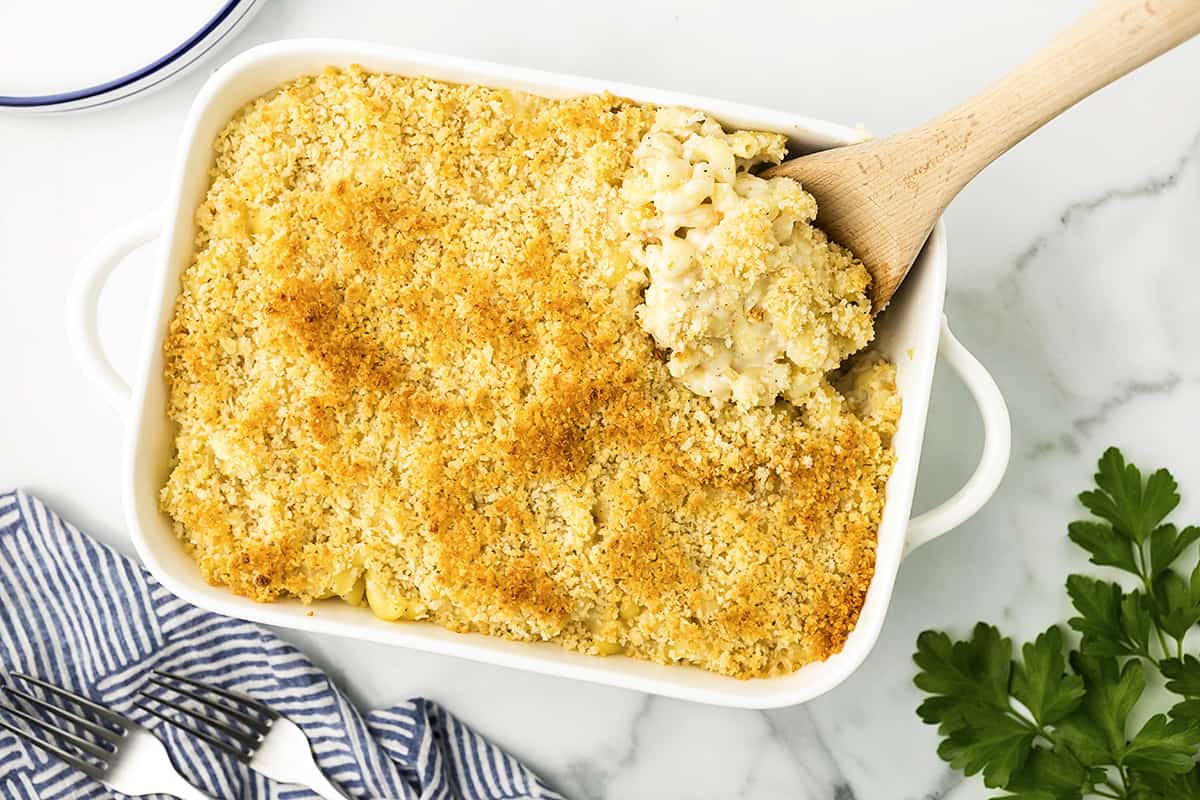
[1048, 724]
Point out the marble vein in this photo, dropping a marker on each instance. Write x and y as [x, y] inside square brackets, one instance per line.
[1154, 185]
[1026, 306]
[947, 784]
[798, 734]
[592, 776]
[1126, 393]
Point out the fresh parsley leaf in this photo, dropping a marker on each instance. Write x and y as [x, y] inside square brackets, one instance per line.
[1157, 786]
[1112, 623]
[970, 704]
[1176, 603]
[1166, 545]
[1163, 746]
[1136, 621]
[972, 672]
[991, 742]
[1041, 682]
[1194, 582]
[1182, 674]
[1108, 547]
[1082, 736]
[1111, 694]
[1188, 710]
[1185, 786]
[1051, 774]
[1135, 508]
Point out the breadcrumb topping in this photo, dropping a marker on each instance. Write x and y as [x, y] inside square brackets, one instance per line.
[407, 369]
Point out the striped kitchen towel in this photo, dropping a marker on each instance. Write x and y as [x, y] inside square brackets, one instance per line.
[77, 613]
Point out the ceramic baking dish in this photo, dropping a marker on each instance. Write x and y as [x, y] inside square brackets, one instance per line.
[911, 332]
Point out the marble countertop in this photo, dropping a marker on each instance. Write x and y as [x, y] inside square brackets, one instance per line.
[1075, 264]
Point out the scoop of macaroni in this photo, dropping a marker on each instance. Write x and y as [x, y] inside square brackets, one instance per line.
[751, 300]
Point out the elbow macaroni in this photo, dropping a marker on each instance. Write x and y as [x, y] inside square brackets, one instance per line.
[752, 301]
[388, 604]
[349, 585]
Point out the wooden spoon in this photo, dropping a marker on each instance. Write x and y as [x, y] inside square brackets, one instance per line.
[881, 198]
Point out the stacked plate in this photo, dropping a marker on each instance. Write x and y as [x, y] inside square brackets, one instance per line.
[66, 55]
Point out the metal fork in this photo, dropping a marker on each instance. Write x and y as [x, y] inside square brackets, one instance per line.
[105, 745]
[244, 728]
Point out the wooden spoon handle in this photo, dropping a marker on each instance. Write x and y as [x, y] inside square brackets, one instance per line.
[1114, 38]
[881, 197]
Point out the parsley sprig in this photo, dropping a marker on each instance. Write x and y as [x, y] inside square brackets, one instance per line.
[1055, 725]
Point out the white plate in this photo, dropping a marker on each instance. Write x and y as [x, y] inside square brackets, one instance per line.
[908, 333]
[62, 55]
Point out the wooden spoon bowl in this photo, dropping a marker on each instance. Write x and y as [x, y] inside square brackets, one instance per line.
[881, 198]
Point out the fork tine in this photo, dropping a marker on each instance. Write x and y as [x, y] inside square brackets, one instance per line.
[220, 744]
[88, 768]
[254, 723]
[78, 699]
[108, 734]
[91, 748]
[250, 741]
[228, 694]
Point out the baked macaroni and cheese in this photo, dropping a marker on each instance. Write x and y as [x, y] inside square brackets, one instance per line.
[552, 370]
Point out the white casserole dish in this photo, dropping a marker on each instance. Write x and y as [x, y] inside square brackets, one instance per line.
[910, 333]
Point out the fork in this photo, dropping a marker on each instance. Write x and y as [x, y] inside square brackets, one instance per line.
[249, 731]
[116, 751]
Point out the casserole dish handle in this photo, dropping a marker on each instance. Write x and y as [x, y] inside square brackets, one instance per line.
[997, 442]
[84, 300]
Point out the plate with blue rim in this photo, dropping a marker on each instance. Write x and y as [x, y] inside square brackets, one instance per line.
[70, 55]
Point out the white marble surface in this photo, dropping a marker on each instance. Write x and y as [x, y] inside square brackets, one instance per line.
[1075, 267]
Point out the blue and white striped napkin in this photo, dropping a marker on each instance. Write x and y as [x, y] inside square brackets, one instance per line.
[77, 613]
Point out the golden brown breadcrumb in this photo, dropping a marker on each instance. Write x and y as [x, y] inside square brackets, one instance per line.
[405, 365]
